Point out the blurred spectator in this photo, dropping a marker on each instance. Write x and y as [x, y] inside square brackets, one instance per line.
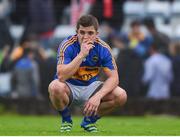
[162, 39]
[28, 42]
[25, 78]
[175, 53]
[40, 56]
[18, 52]
[158, 74]
[137, 40]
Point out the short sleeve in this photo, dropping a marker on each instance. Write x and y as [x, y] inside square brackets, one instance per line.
[64, 54]
[108, 60]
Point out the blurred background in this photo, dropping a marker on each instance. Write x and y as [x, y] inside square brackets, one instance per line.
[144, 36]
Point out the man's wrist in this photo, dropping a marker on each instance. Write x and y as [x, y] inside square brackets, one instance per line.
[81, 56]
[99, 95]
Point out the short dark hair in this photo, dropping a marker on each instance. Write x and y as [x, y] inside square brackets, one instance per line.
[156, 44]
[135, 23]
[86, 21]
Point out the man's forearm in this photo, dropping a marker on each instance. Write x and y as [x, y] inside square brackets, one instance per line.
[68, 70]
[108, 86]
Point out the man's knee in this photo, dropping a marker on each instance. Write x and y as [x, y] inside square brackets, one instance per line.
[56, 88]
[121, 97]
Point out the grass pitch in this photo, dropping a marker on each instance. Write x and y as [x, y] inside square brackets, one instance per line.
[108, 126]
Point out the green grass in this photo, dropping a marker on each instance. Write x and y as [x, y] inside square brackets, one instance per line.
[117, 126]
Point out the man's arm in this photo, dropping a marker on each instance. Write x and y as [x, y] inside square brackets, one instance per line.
[65, 71]
[111, 82]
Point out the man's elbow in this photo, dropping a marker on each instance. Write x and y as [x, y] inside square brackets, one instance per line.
[117, 82]
[117, 79]
[61, 77]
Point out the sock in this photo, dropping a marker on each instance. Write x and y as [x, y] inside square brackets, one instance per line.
[90, 119]
[66, 115]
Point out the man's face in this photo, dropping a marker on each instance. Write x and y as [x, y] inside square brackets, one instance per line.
[136, 29]
[86, 33]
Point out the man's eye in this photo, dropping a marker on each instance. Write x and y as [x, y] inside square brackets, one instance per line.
[90, 33]
[82, 32]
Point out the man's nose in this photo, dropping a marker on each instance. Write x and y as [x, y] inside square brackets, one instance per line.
[86, 35]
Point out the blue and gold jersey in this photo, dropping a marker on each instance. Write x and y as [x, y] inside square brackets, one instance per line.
[99, 57]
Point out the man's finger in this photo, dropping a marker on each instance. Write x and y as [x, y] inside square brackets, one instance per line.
[93, 111]
[89, 110]
[96, 110]
[86, 108]
[90, 42]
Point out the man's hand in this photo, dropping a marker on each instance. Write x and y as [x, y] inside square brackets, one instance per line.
[91, 106]
[86, 46]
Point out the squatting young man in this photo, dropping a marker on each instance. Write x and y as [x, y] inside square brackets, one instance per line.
[80, 58]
